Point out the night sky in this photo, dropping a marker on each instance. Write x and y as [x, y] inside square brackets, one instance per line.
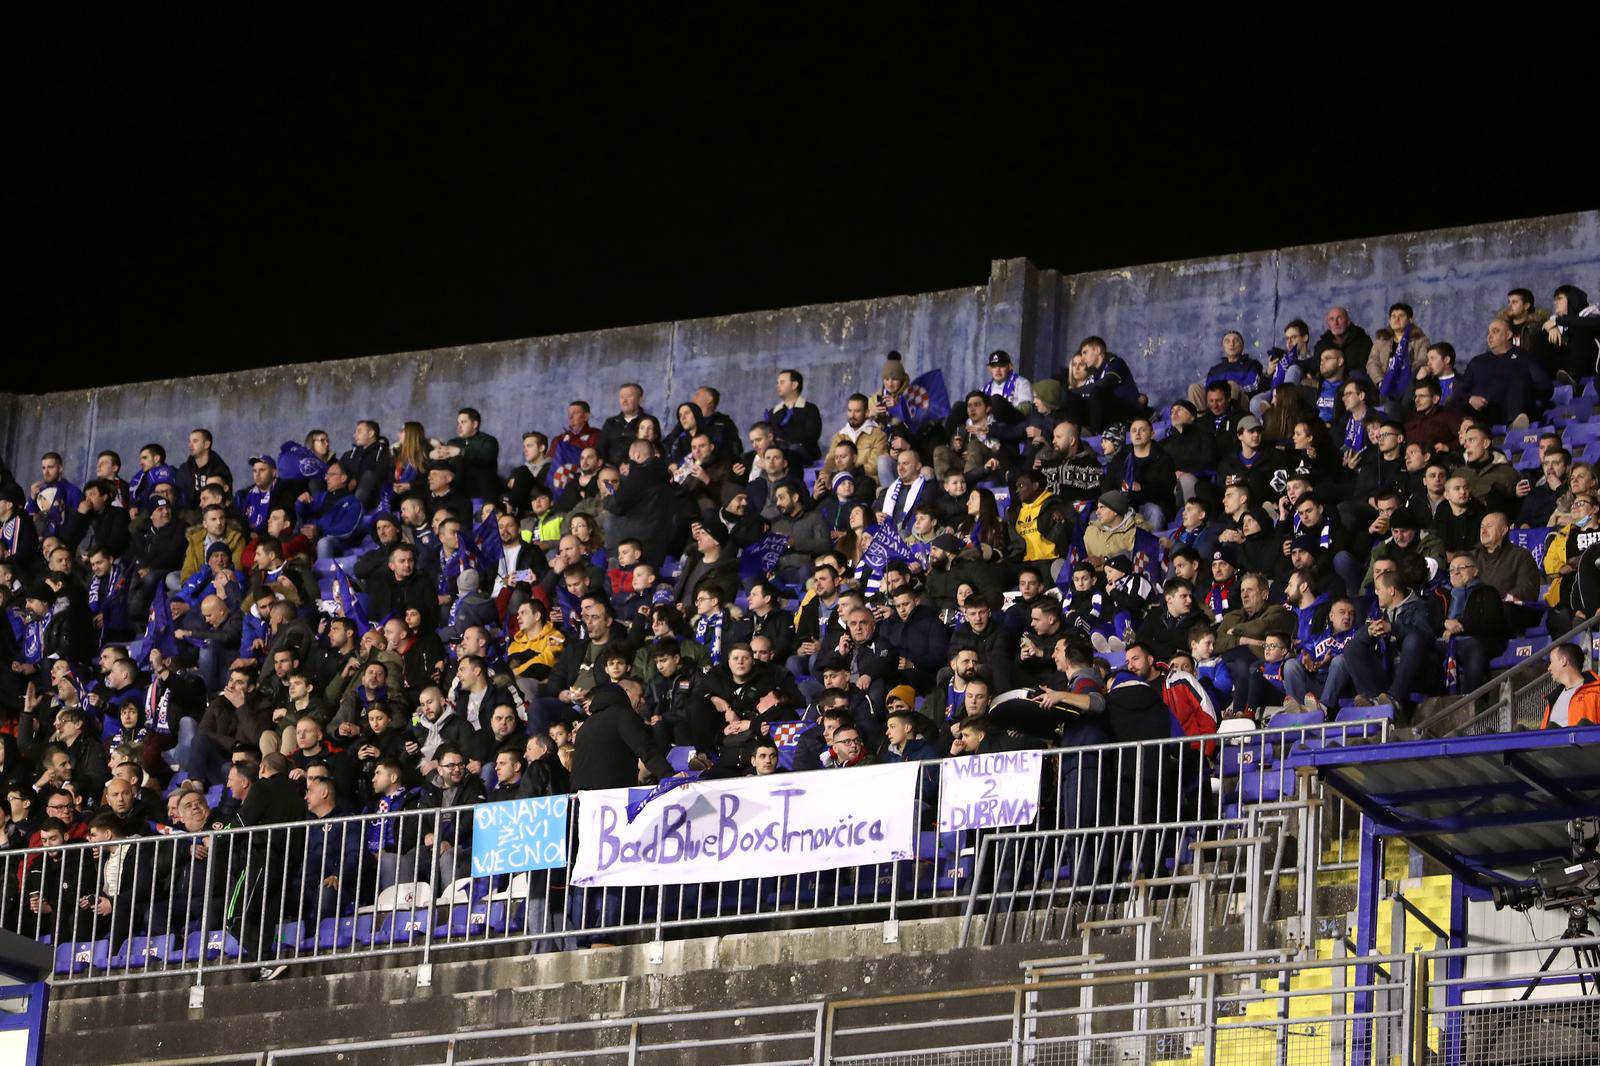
[200, 195]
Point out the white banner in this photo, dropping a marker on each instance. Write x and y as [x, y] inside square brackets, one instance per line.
[983, 791]
[747, 827]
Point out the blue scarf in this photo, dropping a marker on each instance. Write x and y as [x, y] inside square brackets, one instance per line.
[102, 589]
[1006, 388]
[708, 634]
[10, 533]
[33, 637]
[1399, 369]
[1327, 397]
[257, 505]
[1355, 435]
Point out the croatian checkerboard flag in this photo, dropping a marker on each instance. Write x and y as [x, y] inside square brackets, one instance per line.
[786, 735]
[927, 400]
[563, 464]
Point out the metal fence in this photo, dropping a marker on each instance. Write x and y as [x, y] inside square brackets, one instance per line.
[1513, 699]
[1236, 1009]
[1183, 828]
[1535, 1003]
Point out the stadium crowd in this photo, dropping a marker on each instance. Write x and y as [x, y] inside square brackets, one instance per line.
[412, 622]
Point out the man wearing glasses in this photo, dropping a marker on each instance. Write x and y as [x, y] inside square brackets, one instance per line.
[450, 844]
[1476, 621]
[848, 749]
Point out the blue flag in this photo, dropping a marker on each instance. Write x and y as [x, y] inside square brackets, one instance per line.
[563, 464]
[786, 735]
[1147, 555]
[638, 797]
[296, 461]
[349, 606]
[926, 400]
[1397, 375]
[158, 629]
[761, 558]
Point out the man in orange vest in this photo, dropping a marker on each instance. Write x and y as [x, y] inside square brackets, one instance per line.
[1577, 701]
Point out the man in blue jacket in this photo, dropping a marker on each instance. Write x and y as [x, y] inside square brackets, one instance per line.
[331, 518]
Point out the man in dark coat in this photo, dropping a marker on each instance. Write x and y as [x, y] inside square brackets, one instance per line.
[643, 504]
[391, 591]
[613, 741]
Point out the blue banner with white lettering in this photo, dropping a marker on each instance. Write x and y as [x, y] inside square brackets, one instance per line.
[518, 835]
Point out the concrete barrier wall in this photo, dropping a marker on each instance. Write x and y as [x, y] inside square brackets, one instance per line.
[1166, 318]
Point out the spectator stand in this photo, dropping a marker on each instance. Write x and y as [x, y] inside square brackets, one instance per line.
[1513, 698]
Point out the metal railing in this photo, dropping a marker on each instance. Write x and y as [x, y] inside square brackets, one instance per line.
[1237, 1009]
[1110, 820]
[1514, 698]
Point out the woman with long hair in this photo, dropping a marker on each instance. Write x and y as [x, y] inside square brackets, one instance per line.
[982, 528]
[648, 428]
[586, 531]
[1288, 407]
[1314, 450]
[677, 443]
[410, 458]
[859, 524]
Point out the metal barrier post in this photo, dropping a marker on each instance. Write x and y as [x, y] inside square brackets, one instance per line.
[1208, 1022]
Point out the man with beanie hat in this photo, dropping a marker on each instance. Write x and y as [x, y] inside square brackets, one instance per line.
[471, 608]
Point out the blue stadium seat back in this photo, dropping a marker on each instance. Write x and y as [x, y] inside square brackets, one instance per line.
[214, 946]
[1517, 651]
[402, 927]
[1361, 722]
[334, 933]
[679, 756]
[1561, 394]
[361, 933]
[141, 952]
[1257, 751]
[177, 779]
[1262, 785]
[478, 919]
[1523, 438]
[955, 862]
[82, 956]
[294, 935]
[214, 795]
[1381, 712]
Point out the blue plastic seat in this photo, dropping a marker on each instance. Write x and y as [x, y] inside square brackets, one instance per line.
[679, 757]
[210, 947]
[476, 919]
[402, 927]
[214, 795]
[1516, 651]
[333, 933]
[81, 956]
[139, 952]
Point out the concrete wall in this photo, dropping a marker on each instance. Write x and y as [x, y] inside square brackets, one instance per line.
[1166, 318]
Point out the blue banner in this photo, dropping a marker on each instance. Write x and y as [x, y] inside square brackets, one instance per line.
[517, 835]
[761, 558]
[296, 461]
[1532, 539]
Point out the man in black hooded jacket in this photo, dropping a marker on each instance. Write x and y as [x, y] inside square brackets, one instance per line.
[613, 741]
